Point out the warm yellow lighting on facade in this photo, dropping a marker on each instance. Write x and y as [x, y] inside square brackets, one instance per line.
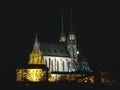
[85, 81]
[36, 58]
[72, 37]
[33, 75]
[70, 78]
[62, 39]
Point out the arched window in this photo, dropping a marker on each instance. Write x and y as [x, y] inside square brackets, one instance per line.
[49, 63]
[57, 65]
[68, 65]
[63, 65]
[46, 62]
[52, 64]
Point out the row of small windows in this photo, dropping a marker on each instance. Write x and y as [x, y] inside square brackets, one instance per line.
[54, 51]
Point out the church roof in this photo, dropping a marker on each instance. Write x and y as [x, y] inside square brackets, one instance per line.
[54, 49]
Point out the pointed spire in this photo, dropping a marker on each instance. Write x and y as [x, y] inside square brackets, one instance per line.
[62, 26]
[71, 33]
[71, 19]
[36, 44]
[36, 40]
[62, 37]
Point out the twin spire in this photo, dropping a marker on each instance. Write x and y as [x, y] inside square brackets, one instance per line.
[62, 38]
[71, 29]
[62, 25]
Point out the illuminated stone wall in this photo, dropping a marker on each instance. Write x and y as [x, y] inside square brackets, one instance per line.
[59, 64]
[79, 78]
[32, 75]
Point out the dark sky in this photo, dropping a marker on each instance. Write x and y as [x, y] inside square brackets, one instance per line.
[96, 25]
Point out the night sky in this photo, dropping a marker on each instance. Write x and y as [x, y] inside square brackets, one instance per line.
[96, 25]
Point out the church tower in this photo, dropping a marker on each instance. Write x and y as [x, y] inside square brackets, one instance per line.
[36, 71]
[62, 38]
[36, 56]
[71, 41]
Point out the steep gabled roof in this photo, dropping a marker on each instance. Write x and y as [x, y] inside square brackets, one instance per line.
[54, 49]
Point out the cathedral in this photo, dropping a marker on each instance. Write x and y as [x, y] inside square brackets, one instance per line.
[63, 56]
[55, 61]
